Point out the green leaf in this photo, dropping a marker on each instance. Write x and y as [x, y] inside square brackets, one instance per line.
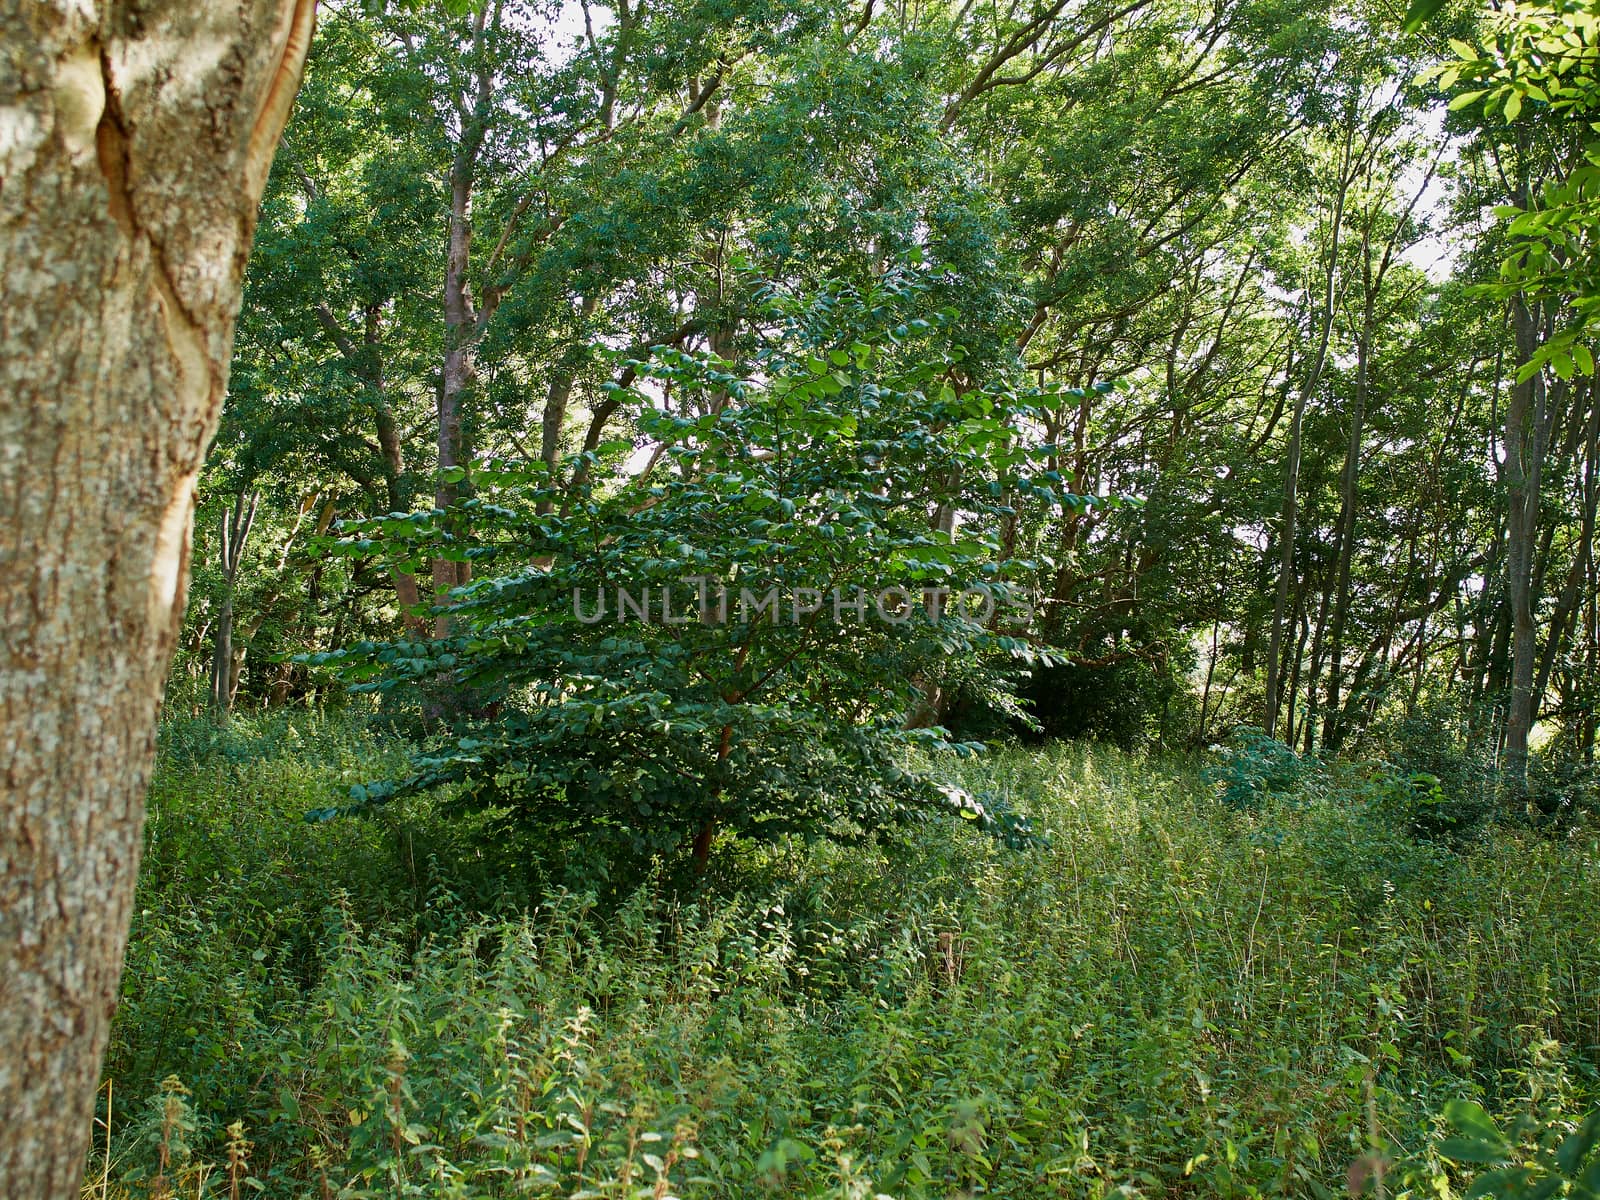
[1470, 1118]
[1420, 13]
[1578, 1145]
[1470, 1150]
[1591, 1177]
[1500, 1185]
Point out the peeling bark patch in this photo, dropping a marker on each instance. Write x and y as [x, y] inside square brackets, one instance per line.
[170, 560]
[184, 334]
[79, 99]
[274, 112]
[111, 144]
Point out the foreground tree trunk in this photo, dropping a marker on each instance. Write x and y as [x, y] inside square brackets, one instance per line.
[134, 144]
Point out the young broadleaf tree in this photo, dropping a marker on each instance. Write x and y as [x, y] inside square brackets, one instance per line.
[735, 637]
[135, 142]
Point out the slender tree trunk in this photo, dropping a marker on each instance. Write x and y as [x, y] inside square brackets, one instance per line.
[1286, 530]
[1302, 618]
[234, 532]
[1493, 637]
[1589, 725]
[1345, 538]
[1487, 610]
[1524, 436]
[463, 322]
[1291, 480]
[1205, 693]
[460, 366]
[221, 657]
[137, 142]
[1373, 275]
[1564, 617]
[1314, 667]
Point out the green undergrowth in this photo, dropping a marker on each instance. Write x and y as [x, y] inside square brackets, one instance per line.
[1171, 997]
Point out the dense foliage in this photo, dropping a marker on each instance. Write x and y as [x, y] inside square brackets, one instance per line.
[669, 441]
[732, 635]
[1234, 262]
[1169, 996]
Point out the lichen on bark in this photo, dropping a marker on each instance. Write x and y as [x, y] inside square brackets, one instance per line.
[135, 141]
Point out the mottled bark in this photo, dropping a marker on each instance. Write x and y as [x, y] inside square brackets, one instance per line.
[460, 368]
[463, 322]
[134, 144]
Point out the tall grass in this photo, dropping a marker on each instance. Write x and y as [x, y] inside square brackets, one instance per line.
[1170, 998]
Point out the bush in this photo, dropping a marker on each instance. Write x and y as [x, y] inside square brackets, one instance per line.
[1129, 704]
[1537, 1143]
[1564, 789]
[1255, 769]
[1537, 1156]
[1447, 782]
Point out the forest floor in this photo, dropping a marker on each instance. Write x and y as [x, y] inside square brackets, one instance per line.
[1168, 998]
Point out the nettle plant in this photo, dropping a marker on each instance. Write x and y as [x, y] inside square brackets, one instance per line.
[739, 633]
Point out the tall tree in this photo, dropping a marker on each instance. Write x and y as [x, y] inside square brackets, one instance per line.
[138, 139]
[1323, 315]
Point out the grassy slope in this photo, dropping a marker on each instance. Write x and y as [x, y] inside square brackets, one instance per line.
[1169, 998]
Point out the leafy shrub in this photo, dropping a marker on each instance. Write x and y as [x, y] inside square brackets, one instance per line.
[649, 734]
[1418, 804]
[1254, 769]
[1564, 789]
[1533, 1144]
[1124, 703]
[1531, 1160]
[1447, 782]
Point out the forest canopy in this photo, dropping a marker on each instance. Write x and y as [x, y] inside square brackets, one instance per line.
[1237, 283]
